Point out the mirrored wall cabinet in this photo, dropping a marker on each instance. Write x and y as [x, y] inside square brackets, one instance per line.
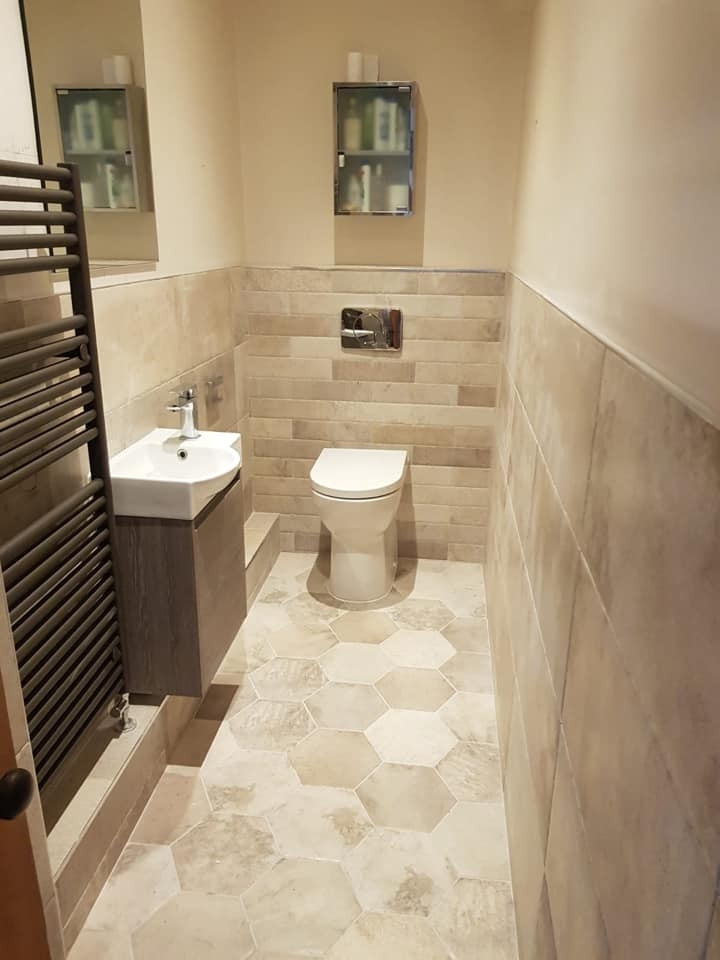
[103, 130]
[374, 148]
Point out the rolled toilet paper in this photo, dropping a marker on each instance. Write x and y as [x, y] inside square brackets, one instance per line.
[117, 69]
[398, 196]
[355, 67]
[370, 67]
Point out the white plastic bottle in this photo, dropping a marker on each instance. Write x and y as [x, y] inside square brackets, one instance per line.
[352, 128]
[378, 194]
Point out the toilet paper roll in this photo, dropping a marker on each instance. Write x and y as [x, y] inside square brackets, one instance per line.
[398, 196]
[355, 67]
[370, 68]
[117, 69]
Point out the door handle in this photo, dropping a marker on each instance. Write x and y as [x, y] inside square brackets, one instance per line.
[16, 790]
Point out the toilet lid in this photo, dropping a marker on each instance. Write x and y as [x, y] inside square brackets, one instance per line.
[358, 474]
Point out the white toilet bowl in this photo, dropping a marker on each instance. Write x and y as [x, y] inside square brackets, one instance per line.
[357, 493]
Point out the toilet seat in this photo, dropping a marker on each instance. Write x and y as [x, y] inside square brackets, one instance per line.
[358, 474]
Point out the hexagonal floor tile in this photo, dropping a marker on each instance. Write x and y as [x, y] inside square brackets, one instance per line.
[417, 614]
[334, 758]
[471, 716]
[346, 706]
[224, 700]
[278, 588]
[472, 836]
[251, 783]
[376, 936]
[476, 920]
[268, 725]
[406, 797]
[178, 802]
[411, 736]
[355, 663]
[197, 925]
[399, 872]
[302, 641]
[224, 854]
[293, 564]
[472, 772]
[411, 688]
[286, 679]
[418, 648]
[470, 672]
[320, 823]
[301, 906]
[363, 626]
[308, 610]
[250, 648]
[469, 634]
[108, 944]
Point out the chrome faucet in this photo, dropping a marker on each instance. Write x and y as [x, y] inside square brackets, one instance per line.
[185, 406]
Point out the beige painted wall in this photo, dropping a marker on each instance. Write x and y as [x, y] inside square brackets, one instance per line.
[468, 57]
[618, 215]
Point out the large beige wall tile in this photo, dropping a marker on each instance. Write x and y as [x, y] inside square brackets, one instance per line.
[652, 537]
[521, 468]
[204, 319]
[653, 880]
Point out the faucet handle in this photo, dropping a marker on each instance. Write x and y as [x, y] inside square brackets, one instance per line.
[188, 393]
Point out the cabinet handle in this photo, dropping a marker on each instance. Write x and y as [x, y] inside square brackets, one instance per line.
[16, 790]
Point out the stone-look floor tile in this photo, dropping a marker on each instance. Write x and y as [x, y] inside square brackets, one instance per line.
[471, 716]
[469, 634]
[334, 758]
[97, 944]
[470, 672]
[197, 925]
[293, 564]
[319, 823]
[473, 838]
[406, 797]
[399, 872]
[178, 802]
[268, 725]
[225, 853]
[472, 772]
[301, 907]
[310, 610]
[143, 879]
[247, 652]
[346, 706]
[465, 600]
[417, 614]
[222, 749]
[376, 936]
[411, 688]
[355, 663]
[363, 626]
[251, 782]
[418, 648]
[476, 921]
[278, 588]
[295, 641]
[411, 736]
[286, 679]
[224, 700]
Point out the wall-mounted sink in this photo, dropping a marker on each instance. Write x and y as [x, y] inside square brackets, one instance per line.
[163, 475]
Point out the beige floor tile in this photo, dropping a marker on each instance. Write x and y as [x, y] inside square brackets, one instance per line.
[334, 758]
[267, 725]
[418, 614]
[472, 772]
[346, 706]
[363, 626]
[249, 649]
[143, 879]
[418, 648]
[224, 700]
[470, 672]
[412, 688]
[178, 803]
[471, 716]
[473, 838]
[222, 749]
[411, 736]
[288, 679]
[309, 610]
[469, 634]
[307, 641]
[105, 944]
[200, 926]
[225, 854]
[406, 797]
[279, 588]
[476, 921]
[251, 782]
[355, 663]
[293, 564]
[319, 823]
[399, 872]
[301, 906]
[376, 936]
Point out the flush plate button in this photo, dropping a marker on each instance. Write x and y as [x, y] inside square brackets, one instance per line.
[371, 328]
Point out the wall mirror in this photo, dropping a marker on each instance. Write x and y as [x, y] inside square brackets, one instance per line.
[88, 71]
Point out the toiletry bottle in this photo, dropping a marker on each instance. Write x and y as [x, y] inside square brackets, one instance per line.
[382, 124]
[352, 127]
[365, 183]
[354, 194]
[368, 137]
[401, 129]
[378, 196]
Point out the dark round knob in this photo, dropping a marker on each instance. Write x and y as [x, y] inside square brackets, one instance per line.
[16, 790]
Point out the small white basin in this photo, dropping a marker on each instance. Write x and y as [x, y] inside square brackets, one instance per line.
[163, 475]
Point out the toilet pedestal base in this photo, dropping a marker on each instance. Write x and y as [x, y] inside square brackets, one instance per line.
[362, 567]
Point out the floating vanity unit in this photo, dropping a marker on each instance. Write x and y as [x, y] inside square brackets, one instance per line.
[181, 557]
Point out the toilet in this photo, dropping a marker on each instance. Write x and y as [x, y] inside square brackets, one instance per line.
[357, 493]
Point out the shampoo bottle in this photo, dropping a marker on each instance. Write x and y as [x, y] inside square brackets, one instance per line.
[352, 128]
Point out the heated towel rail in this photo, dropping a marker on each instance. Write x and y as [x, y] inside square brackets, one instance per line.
[59, 571]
